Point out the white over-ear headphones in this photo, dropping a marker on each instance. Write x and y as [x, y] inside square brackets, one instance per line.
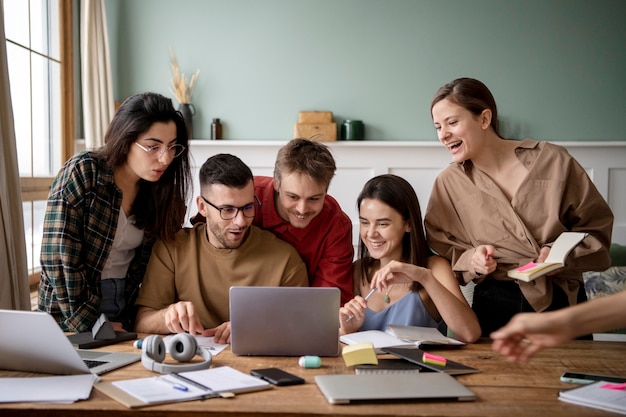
[182, 347]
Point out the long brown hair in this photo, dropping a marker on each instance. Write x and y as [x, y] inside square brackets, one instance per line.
[398, 194]
[160, 206]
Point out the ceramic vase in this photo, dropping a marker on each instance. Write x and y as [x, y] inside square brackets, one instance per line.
[188, 111]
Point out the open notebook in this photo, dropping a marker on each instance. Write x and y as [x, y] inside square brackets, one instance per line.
[33, 342]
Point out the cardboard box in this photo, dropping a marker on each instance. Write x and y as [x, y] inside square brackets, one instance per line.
[315, 117]
[323, 132]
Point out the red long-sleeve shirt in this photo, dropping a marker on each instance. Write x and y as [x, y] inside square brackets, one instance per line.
[325, 245]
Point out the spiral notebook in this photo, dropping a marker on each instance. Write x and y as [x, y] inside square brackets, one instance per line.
[388, 366]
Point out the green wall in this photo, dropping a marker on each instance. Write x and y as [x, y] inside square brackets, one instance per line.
[555, 67]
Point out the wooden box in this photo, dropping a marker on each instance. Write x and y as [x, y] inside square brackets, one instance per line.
[323, 132]
[315, 117]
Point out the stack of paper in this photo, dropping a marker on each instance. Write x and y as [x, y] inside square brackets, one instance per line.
[48, 389]
[603, 395]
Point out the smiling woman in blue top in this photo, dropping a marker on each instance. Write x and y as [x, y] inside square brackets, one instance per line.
[414, 286]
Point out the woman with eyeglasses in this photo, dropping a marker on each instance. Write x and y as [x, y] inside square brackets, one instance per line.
[105, 210]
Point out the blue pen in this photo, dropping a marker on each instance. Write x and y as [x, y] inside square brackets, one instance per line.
[175, 385]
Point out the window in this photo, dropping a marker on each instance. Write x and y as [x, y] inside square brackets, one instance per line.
[39, 53]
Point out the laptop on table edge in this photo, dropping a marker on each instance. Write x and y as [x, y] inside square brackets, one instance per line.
[349, 388]
[32, 341]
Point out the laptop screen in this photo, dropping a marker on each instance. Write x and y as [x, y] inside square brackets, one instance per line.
[284, 321]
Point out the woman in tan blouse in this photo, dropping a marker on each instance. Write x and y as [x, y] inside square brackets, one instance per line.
[502, 203]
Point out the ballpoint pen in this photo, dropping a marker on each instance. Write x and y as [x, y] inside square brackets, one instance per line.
[367, 297]
[175, 385]
[369, 294]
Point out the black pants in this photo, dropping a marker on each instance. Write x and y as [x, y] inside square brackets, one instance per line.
[496, 302]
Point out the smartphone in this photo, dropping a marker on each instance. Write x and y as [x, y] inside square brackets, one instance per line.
[277, 376]
[581, 378]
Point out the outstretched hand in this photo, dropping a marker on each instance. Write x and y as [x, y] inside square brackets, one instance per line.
[526, 334]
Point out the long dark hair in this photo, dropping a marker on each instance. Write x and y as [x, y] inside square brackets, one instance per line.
[160, 206]
[470, 94]
[398, 194]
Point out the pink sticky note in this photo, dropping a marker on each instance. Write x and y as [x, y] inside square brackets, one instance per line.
[527, 266]
[618, 387]
[433, 359]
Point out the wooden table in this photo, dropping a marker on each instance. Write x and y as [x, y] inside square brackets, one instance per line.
[503, 389]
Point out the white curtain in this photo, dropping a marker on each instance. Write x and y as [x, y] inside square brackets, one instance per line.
[97, 83]
[14, 291]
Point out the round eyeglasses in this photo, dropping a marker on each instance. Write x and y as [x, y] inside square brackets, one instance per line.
[230, 212]
[156, 150]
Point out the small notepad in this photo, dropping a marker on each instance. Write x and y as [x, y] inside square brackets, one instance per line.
[563, 245]
[602, 395]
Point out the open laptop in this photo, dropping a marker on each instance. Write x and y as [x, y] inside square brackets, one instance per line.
[344, 389]
[284, 321]
[32, 341]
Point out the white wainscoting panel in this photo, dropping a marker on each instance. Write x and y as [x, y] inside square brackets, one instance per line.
[419, 163]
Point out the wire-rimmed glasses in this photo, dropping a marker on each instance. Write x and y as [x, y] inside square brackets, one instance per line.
[230, 212]
[157, 150]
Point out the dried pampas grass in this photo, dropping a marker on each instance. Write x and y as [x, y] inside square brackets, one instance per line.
[180, 88]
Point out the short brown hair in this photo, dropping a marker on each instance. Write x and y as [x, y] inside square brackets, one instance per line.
[307, 157]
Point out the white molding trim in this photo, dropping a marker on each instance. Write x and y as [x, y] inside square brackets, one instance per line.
[419, 163]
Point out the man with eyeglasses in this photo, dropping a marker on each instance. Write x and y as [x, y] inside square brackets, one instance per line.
[186, 285]
[298, 209]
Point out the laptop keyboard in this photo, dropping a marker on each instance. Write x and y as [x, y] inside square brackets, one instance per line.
[92, 364]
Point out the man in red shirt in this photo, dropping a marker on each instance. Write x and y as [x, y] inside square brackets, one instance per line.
[295, 207]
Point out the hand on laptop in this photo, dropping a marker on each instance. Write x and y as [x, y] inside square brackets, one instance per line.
[221, 333]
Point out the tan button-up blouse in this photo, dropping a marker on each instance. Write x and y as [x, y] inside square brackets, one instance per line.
[467, 209]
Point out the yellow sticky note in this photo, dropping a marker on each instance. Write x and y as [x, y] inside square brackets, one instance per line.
[359, 354]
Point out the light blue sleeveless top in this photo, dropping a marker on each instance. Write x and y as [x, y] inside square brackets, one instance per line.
[407, 311]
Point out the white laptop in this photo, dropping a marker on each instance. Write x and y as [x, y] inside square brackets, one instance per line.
[344, 389]
[32, 341]
[284, 321]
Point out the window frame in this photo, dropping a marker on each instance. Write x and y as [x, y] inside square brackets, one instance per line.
[37, 188]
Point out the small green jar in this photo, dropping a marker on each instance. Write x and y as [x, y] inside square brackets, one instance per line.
[352, 130]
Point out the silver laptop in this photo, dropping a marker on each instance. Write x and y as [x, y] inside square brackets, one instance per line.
[344, 389]
[32, 341]
[284, 321]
